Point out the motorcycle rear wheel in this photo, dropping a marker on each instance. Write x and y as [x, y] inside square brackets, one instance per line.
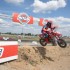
[43, 42]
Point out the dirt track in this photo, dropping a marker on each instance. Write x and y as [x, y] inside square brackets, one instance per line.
[40, 58]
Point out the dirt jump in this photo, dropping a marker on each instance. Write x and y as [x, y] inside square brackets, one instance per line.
[40, 58]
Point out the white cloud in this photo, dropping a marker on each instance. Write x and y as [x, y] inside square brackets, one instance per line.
[63, 19]
[62, 22]
[1, 21]
[40, 6]
[17, 2]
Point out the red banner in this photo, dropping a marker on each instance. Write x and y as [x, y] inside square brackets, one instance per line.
[42, 22]
[22, 18]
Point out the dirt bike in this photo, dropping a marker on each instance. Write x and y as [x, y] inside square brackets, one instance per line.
[60, 41]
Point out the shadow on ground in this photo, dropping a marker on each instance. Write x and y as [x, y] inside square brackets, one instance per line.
[42, 51]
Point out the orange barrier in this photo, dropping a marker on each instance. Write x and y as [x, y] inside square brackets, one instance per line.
[8, 51]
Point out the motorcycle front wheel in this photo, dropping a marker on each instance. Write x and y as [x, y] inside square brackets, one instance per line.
[62, 43]
[43, 42]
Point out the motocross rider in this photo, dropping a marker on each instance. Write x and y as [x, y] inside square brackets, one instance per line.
[47, 29]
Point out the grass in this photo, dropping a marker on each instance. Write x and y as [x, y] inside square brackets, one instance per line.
[25, 38]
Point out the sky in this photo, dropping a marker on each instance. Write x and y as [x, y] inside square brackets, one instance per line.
[56, 10]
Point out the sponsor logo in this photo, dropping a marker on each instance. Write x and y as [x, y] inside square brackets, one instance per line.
[1, 51]
[23, 17]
